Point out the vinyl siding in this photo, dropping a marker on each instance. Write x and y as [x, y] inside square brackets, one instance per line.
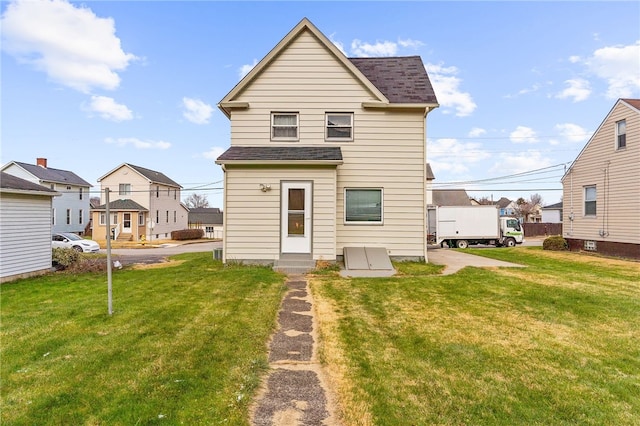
[618, 199]
[252, 217]
[387, 151]
[25, 234]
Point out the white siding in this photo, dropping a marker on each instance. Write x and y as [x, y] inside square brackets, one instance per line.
[618, 190]
[25, 234]
[388, 148]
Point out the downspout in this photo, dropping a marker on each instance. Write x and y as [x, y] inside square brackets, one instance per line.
[224, 215]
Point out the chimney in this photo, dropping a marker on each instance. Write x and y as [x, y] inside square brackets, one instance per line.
[42, 162]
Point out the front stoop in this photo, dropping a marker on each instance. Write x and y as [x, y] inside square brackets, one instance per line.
[294, 264]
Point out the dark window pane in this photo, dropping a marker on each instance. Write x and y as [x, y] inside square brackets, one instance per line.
[296, 199]
[363, 205]
[296, 223]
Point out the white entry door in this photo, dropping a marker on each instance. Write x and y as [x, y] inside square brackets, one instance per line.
[296, 217]
[126, 223]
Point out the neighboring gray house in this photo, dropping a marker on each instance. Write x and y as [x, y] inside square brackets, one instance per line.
[208, 219]
[70, 211]
[25, 228]
[552, 213]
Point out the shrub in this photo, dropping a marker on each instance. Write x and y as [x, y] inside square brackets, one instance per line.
[187, 234]
[64, 257]
[556, 243]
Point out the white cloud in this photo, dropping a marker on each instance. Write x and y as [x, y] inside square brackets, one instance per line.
[519, 163]
[213, 153]
[579, 90]
[380, 48]
[138, 143]
[196, 111]
[245, 69]
[451, 155]
[618, 65]
[109, 109]
[523, 134]
[572, 132]
[70, 44]
[413, 44]
[338, 44]
[476, 132]
[446, 86]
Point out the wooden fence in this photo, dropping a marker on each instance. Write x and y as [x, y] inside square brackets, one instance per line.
[542, 229]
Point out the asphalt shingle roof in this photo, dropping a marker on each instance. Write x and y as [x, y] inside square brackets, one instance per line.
[54, 175]
[402, 80]
[154, 176]
[206, 216]
[125, 204]
[281, 153]
[8, 181]
[450, 197]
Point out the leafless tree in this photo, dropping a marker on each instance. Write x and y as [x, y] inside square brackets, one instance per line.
[196, 200]
[527, 208]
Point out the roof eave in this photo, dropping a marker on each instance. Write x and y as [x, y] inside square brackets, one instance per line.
[29, 192]
[426, 107]
[280, 162]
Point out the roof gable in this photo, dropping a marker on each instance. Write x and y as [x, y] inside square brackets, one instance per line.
[303, 26]
[632, 104]
[49, 174]
[151, 175]
[450, 197]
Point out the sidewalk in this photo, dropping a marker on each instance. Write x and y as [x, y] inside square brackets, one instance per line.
[295, 392]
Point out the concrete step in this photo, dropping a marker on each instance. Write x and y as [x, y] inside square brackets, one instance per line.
[294, 265]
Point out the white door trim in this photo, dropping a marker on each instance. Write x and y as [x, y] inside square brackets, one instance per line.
[295, 223]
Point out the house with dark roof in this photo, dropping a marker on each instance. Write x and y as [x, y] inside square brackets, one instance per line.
[25, 234]
[601, 188]
[327, 152]
[552, 213]
[144, 205]
[70, 210]
[209, 219]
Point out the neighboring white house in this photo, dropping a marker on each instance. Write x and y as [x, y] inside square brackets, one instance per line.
[552, 213]
[327, 152]
[25, 228]
[209, 219]
[601, 189]
[145, 203]
[71, 209]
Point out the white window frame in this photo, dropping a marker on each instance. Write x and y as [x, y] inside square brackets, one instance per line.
[140, 219]
[621, 134]
[364, 222]
[80, 192]
[274, 126]
[327, 126]
[53, 216]
[590, 199]
[103, 218]
[124, 189]
[69, 214]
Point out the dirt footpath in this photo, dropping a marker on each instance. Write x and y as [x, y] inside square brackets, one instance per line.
[295, 392]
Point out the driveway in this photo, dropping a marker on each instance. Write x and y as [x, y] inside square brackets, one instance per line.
[455, 260]
[158, 254]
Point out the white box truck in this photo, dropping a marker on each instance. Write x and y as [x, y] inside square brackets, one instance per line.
[461, 226]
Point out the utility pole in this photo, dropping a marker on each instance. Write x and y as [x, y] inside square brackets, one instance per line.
[108, 224]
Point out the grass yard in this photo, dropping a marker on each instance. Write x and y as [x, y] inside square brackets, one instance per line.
[556, 343]
[186, 345]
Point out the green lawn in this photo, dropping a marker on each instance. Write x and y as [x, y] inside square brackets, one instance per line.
[186, 345]
[556, 343]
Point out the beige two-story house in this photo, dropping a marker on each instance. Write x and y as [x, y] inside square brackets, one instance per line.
[601, 189]
[144, 205]
[327, 152]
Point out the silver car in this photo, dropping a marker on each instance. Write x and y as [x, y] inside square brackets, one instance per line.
[70, 240]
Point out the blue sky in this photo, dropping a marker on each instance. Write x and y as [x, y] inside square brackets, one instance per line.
[522, 85]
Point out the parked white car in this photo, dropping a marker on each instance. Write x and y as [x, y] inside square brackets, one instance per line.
[69, 240]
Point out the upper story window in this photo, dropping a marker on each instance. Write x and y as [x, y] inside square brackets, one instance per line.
[590, 200]
[157, 191]
[284, 126]
[339, 126]
[124, 189]
[621, 134]
[80, 192]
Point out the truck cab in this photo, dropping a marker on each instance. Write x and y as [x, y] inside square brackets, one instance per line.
[511, 232]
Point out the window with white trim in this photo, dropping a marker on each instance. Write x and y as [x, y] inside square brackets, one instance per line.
[68, 216]
[621, 134]
[80, 214]
[124, 189]
[141, 219]
[338, 126]
[590, 200]
[284, 126]
[103, 218]
[53, 216]
[80, 192]
[363, 205]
